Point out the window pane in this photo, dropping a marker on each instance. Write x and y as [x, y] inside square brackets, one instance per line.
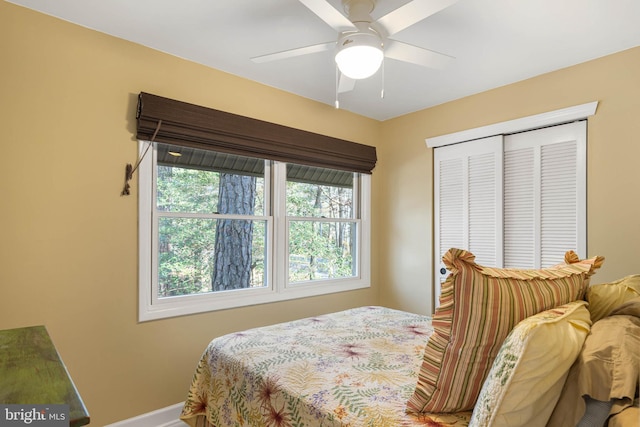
[200, 181]
[321, 250]
[320, 193]
[204, 255]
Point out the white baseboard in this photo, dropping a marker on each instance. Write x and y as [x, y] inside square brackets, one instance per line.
[165, 417]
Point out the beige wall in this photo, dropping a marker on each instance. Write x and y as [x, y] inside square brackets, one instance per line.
[69, 240]
[69, 243]
[613, 150]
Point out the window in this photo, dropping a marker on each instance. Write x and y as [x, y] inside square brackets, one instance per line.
[514, 201]
[220, 230]
[235, 211]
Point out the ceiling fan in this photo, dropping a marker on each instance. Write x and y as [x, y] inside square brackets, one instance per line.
[363, 43]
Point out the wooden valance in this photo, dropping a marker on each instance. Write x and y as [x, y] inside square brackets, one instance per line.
[190, 125]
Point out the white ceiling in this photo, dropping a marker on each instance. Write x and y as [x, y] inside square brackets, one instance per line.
[495, 42]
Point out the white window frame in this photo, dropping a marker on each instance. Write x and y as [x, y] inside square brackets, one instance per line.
[277, 286]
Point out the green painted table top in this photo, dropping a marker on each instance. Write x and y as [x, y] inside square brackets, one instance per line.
[32, 372]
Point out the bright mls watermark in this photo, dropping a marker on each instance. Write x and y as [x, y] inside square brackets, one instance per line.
[34, 415]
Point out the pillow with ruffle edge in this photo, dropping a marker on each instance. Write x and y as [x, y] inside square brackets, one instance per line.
[572, 264]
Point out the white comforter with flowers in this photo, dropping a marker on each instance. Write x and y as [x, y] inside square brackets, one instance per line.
[352, 368]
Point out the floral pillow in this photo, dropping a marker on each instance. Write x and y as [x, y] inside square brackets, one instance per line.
[528, 374]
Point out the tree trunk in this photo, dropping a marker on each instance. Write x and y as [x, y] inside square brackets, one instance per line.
[234, 238]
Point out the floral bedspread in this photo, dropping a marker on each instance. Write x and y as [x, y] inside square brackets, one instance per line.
[351, 368]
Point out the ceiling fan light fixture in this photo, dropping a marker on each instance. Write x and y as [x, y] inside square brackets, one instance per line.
[359, 55]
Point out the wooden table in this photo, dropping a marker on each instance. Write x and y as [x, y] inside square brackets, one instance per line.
[32, 373]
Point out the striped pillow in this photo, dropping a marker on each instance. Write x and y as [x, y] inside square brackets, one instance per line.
[479, 306]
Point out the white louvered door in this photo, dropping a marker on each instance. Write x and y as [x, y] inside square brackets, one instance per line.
[468, 202]
[517, 201]
[545, 195]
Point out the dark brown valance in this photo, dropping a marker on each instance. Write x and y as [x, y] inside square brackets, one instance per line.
[189, 125]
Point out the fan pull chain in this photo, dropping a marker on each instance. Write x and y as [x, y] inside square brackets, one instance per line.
[337, 104]
[382, 82]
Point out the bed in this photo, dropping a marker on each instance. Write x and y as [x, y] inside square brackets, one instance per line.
[376, 366]
[356, 367]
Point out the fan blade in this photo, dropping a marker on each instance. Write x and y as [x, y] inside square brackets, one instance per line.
[329, 14]
[411, 13]
[345, 84]
[416, 55]
[294, 52]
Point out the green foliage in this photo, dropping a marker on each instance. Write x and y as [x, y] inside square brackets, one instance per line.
[294, 411]
[320, 248]
[350, 397]
[185, 258]
[187, 190]
[185, 245]
[321, 231]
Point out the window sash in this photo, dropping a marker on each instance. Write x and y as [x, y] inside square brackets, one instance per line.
[155, 267]
[355, 252]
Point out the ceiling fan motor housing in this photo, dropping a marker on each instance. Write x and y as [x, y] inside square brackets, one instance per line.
[363, 36]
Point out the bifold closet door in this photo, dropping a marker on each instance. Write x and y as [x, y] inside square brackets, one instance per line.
[516, 201]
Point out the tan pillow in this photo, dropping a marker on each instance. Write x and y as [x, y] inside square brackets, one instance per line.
[607, 368]
[605, 297]
[478, 308]
[628, 417]
[532, 365]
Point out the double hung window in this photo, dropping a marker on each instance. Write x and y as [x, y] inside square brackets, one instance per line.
[219, 230]
[322, 223]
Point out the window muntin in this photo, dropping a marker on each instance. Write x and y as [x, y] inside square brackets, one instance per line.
[182, 209]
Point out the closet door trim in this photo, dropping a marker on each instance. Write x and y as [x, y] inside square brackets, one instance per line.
[550, 118]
